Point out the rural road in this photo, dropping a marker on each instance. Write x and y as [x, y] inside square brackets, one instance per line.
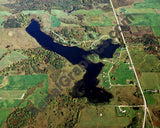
[124, 41]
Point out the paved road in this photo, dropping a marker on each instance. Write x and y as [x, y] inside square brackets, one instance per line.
[124, 41]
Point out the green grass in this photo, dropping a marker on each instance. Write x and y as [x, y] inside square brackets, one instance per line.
[5, 13]
[9, 103]
[23, 82]
[150, 80]
[156, 30]
[39, 95]
[148, 4]
[55, 22]
[150, 63]
[3, 115]
[147, 19]
[122, 73]
[150, 99]
[11, 94]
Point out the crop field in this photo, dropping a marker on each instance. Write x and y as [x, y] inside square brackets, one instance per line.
[145, 19]
[121, 73]
[2, 13]
[150, 80]
[10, 59]
[156, 30]
[24, 82]
[4, 114]
[148, 4]
[143, 61]
[11, 94]
[9, 103]
[39, 94]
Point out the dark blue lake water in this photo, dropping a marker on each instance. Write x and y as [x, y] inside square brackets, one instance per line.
[87, 87]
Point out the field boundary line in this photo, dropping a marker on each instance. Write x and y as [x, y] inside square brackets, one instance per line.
[124, 41]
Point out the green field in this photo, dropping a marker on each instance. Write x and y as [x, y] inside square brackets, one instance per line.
[55, 21]
[149, 98]
[9, 103]
[11, 94]
[5, 13]
[18, 85]
[121, 73]
[150, 80]
[90, 118]
[147, 19]
[11, 58]
[3, 115]
[96, 17]
[24, 82]
[156, 30]
[148, 4]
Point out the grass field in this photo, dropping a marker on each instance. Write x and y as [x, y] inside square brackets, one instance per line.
[3, 115]
[147, 19]
[149, 98]
[122, 73]
[90, 118]
[18, 85]
[150, 80]
[143, 61]
[148, 4]
[5, 13]
[156, 30]
[24, 82]
[11, 94]
[10, 59]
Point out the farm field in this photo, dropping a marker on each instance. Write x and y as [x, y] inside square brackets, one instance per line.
[150, 80]
[24, 82]
[4, 114]
[11, 58]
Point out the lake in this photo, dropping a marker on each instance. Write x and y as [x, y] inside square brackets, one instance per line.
[87, 87]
